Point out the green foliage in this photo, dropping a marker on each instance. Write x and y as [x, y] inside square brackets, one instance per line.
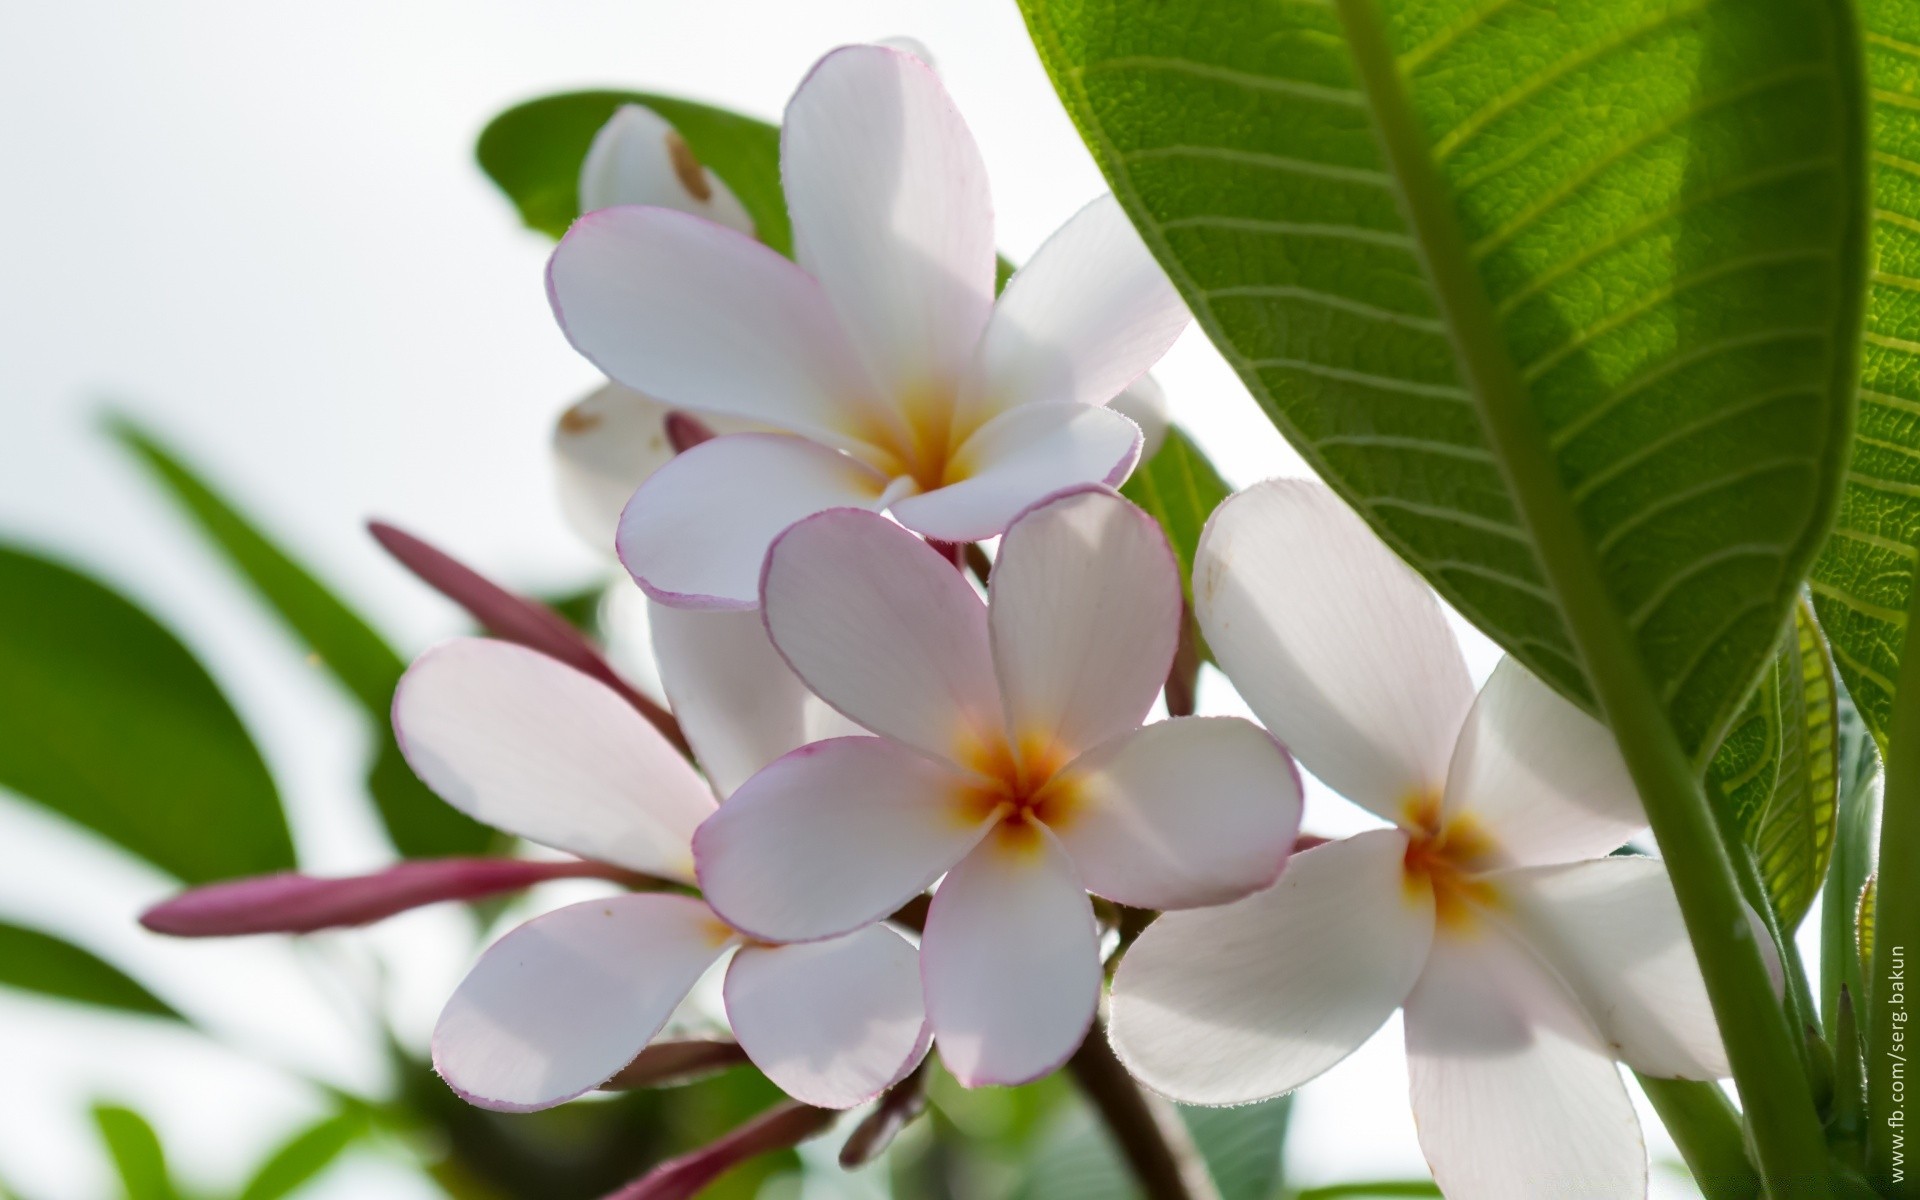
[137, 1156]
[1562, 298]
[1863, 577]
[1853, 853]
[1077, 1158]
[1778, 769]
[533, 151]
[1181, 489]
[111, 723]
[304, 1156]
[1377, 1188]
[39, 962]
[341, 640]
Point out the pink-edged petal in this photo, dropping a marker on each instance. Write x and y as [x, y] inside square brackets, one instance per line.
[1513, 1094]
[882, 627]
[1085, 614]
[696, 533]
[705, 318]
[834, 836]
[1020, 457]
[638, 158]
[1011, 960]
[1543, 779]
[604, 447]
[834, 1023]
[1337, 645]
[891, 213]
[517, 741]
[1182, 813]
[293, 903]
[1611, 929]
[1235, 1004]
[738, 702]
[559, 1005]
[1083, 319]
[1144, 402]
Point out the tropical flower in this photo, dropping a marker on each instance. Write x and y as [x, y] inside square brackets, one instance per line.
[898, 380]
[1010, 758]
[559, 1005]
[1527, 963]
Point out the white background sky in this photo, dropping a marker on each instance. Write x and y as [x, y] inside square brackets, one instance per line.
[259, 227]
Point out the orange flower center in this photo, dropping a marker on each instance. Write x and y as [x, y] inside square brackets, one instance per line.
[1448, 855]
[1021, 787]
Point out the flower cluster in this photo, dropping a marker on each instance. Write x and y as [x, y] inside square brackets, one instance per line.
[788, 459]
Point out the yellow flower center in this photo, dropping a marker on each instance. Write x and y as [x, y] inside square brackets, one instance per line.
[1448, 855]
[1019, 786]
[920, 437]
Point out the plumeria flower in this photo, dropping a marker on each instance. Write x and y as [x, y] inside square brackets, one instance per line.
[898, 380]
[559, 1005]
[1010, 758]
[1527, 962]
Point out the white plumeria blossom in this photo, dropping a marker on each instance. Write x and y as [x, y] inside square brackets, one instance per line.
[1009, 757]
[1528, 964]
[559, 1005]
[898, 381]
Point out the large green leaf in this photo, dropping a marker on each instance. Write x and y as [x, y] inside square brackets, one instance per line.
[533, 151]
[1563, 298]
[39, 962]
[111, 723]
[136, 1152]
[1181, 489]
[1779, 769]
[1863, 577]
[1077, 1160]
[340, 639]
[304, 1156]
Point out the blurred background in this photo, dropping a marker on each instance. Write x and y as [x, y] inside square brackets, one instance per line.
[259, 231]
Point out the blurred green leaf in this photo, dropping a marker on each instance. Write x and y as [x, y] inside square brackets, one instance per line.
[1077, 1160]
[1181, 489]
[420, 824]
[1778, 768]
[137, 1156]
[1383, 1187]
[111, 723]
[1853, 855]
[304, 1156]
[533, 151]
[38, 962]
[1242, 1145]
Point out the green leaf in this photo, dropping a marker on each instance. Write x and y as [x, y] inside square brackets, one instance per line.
[420, 824]
[1563, 298]
[39, 962]
[1853, 854]
[1778, 769]
[111, 723]
[1863, 577]
[1181, 489]
[533, 151]
[304, 1156]
[1078, 1160]
[1376, 1188]
[136, 1152]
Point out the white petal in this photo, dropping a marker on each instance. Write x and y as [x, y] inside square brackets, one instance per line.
[883, 628]
[1337, 645]
[1513, 1095]
[1085, 613]
[1019, 457]
[557, 1006]
[638, 158]
[834, 1023]
[709, 319]
[834, 836]
[891, 213]
[737, 701]
[1612, 930]
[1182, 813]
[1085, 318]
[696, 534]
[1011, 960]
[1543, 779]
[604, 447]
[1145, 404]
[1235, 1004]
[516, 740]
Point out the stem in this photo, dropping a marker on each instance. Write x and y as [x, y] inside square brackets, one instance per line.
[1764, 1048]
[1706, 1128]
[1896, 919]
[1840, 965]
[1148, 1131]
